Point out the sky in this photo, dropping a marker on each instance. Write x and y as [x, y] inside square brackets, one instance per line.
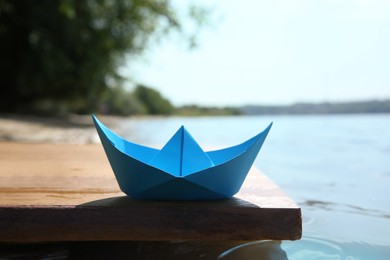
[277, 52]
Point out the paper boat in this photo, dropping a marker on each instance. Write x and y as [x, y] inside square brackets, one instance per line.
[181, 170]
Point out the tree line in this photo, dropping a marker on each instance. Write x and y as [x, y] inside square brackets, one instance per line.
[145, 100]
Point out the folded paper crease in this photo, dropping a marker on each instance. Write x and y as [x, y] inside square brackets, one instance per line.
[181, 170]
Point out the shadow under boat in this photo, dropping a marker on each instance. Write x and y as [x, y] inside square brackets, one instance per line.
[126, 201]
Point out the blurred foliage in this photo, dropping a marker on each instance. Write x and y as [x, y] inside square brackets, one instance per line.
[153, 102]
[119, 101]
[144, 100]
[62, 55]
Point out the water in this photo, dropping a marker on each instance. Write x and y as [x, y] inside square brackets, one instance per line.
[336, 168]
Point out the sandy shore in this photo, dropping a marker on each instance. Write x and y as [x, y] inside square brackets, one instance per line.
[77, 129]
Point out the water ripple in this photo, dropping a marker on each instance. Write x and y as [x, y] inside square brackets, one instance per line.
[307, 248]
[318, 248]
[348, 208]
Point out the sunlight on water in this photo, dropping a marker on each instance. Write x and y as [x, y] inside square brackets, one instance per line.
[304, 249]
[320, 248]
[255, 250]
[307, 248]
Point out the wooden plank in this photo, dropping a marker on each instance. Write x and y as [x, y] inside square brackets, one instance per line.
[52, 192]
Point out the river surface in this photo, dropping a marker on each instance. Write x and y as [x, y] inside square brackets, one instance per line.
[336, 167]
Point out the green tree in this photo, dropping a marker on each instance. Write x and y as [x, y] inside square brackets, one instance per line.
[154, 103]
[69, 50]
[119, 101]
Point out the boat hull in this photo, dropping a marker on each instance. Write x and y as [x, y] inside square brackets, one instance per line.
[140, 180]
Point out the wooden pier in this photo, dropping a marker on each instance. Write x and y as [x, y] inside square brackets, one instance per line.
[58, 192]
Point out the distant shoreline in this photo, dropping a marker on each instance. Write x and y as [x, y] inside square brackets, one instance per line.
[79, 129]
[325, 108]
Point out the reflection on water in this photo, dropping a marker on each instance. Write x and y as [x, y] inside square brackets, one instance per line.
[255, 250]
[320, 248]
[307, 248]
[173, 250]
[47, 251]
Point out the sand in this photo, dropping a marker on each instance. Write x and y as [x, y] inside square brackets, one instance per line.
[71, 129]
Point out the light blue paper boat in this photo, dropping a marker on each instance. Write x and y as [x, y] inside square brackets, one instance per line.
[181, 170]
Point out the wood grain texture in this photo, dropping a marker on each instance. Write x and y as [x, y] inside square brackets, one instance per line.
[52, 192]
